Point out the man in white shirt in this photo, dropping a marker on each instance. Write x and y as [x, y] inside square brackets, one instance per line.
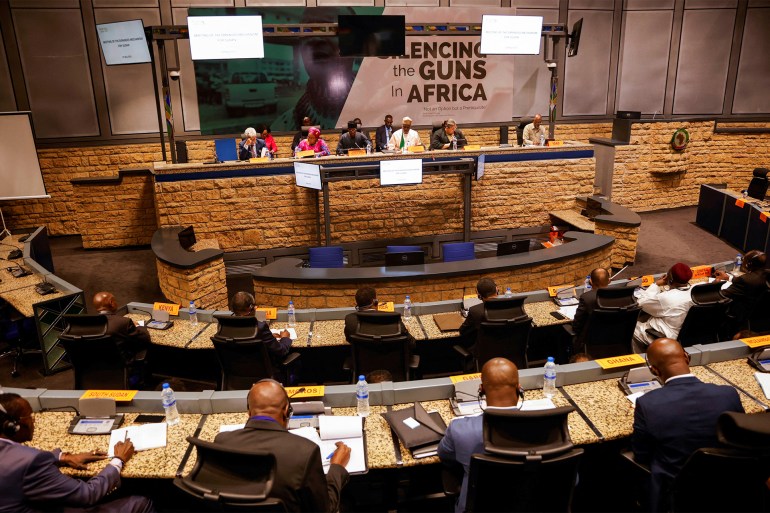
[666, 303]
[405, 137]
[534, 133]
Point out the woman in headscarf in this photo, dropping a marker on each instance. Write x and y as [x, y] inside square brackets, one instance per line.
[314, 142]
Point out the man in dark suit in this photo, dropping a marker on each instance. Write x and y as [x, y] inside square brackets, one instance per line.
[351, 139]
[442, 138]
[299, 477]
[486, 289]
[31, 479]
[745, 290]
[366, 300]
[132, 341]
[242, 304]
[599, 279]
[383, 133]
[672, 422]
[464, 437]
[251, 145]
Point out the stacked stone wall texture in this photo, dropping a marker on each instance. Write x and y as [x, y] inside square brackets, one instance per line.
[204, 284]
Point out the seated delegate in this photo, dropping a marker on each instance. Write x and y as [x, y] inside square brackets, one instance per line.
[250, 146]
[443, 138]
[352, 139]
[314, 142]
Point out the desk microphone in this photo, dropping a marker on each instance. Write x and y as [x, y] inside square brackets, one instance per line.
[44, 287]
[625, 266]
[61, 408]
[19, 272]
[298, 391]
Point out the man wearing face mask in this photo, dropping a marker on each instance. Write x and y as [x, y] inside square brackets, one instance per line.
[665, 304]
[242, 304]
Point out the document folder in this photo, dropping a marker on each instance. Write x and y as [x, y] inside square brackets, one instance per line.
[423, 439]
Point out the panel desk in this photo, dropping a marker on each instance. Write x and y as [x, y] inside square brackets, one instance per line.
[743, 222]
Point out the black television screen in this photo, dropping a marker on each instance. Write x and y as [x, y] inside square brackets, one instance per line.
[371, 36]
[574, 38]
[40, 249]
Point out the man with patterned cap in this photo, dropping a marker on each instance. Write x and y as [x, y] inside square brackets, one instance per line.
[664, 304]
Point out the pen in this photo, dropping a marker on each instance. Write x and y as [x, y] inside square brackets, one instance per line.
[330, 455]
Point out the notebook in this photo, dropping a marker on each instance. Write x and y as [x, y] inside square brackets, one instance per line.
[418, 430]
[448, 321]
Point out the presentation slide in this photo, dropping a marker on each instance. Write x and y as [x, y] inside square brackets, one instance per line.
[225, 37]
[510, 35]
[400, 172]
[307, 175]
[123, 42]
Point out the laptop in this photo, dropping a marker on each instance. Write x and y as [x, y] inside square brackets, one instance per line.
[513, 248]
[404, 258]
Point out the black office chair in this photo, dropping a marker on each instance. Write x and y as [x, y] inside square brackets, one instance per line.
[523, 122]
[94, 355]
[759, 318]
[231, 479]
[244, 359]
[379, 343]
[610, 328]
[504, 332]
[530, 463]
[758, 185]
[17, 333]
[706, 316]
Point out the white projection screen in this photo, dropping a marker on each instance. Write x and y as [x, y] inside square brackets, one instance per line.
[20, 174]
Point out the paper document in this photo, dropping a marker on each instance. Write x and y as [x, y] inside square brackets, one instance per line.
[145, 436]
[568, 311]
[538, 404]
[764, 381]
[231, 427]
[346, 429]
[633, 397]
[292, 332]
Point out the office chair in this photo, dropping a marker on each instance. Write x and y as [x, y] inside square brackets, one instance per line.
[379, 343]
[244, 358]
[94, 355]
[15, 329]
[329, 257]
[231, 478]
[504, 332]
[758, 185]
[610, 328]
[402, 249]
[226, 149]
[706, 316]
[458, 251]
[759, 318]
[523, 122]
[530, 462]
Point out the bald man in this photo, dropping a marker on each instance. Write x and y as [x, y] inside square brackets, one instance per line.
[130, 339]
[299, 477]
[599, 279]
[672, 422]
[534, 133]
[463, 438]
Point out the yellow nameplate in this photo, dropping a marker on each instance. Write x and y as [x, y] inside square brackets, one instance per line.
[119, 395]
[259, 159]
[306, 153]
[166, 307]
[648, 280]
[472, 147]
[270, 312]
[465, 377]
[620, 361]
[547, 244]
[755, 342]
[357, 152]
[739, 203]
[416, 149]
[385, 306]
[555, 143]
[471, 296]
[763, 216]
[701, 271]
[552, 291]
[302, 392]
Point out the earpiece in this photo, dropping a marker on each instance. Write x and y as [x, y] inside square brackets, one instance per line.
[9, 425]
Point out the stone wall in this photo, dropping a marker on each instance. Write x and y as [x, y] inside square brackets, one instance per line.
[624, 248]
[330, 295]
[204, 284]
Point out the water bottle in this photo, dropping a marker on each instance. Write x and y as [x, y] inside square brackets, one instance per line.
[368, 147]
[738, 261]
[169, 404]
[549, 378]
[296, 152]
[407, 308]
[193, 314]
[291, 315]
[542, 140]
[508, 292]
[454, 144]
[587, 284]
[362, 396]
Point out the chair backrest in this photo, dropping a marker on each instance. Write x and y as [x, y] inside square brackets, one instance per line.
[378, 343]
[759, 318]
[720, 480]
[506, 339]
[758, 185]
[457, 251]
[503, 484]
[706, 316]
[520, 130]
[244, 359]
[527, 435]
[615, 297]
[326, 257]
[94, 355]
[402, 249]
[226, 149]
[610, 331]
[231, 477]
[504, 308]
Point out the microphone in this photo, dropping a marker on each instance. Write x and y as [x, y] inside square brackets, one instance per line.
[628, 264]
[298, 391]
[62, 408]
[18, 273]
[43, 288]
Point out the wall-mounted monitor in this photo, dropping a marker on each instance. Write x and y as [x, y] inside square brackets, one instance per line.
[574, 38]
[400, 172]
[371, 36]
[123, 42]
[225, 37]
[307, 175]
[510, 35]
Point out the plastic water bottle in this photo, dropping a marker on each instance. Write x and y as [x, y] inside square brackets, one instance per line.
[368, 147]
[738, 261]
[193, 314]
[291, 315]
[587, 284]
[549, 378]
[508, 292]
[296, 152]
[169, 404]
[454, 144]
[542, 140]
[362, 397]
[407, 308]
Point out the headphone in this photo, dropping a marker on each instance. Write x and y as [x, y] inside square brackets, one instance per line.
[482, 394]
[9, 425]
